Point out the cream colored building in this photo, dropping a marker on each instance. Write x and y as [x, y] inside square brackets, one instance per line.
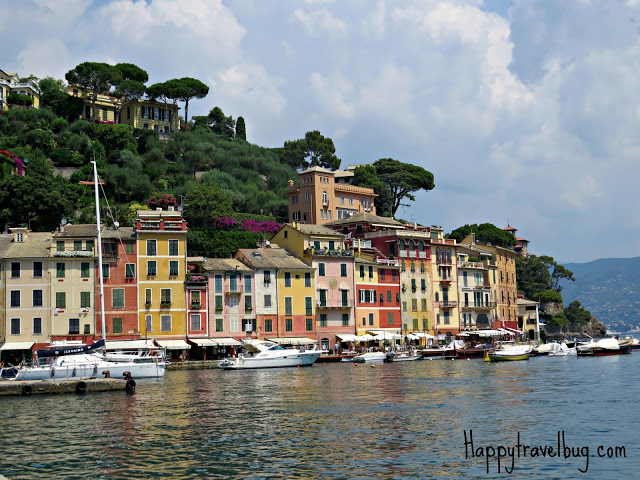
[10, 83]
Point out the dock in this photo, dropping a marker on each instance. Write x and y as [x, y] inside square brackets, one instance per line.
[192, 365]
[26, 388]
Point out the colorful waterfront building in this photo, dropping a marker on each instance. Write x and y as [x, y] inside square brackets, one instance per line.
[120, 281]
[294, 317]
[444, 274]
[377, 288]
[196, 280]
[476, 298]
[325, 250]
[232, 299]
[73, 283]
[25, 281]
[162, 265]
[324, 195]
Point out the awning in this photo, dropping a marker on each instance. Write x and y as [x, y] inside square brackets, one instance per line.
[226, 342]
[487, 333]
[386, 334]
[505, 331]
[292, 340]
[517, 332]
[347, 337]
[204, 342]
[173, 344]
[130, 345]
[421, 335]
[17, 346]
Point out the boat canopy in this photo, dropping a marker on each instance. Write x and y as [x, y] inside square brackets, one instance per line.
[69, 350]
[130, 345]
[292, 340]
[17, 346]
[173, 344]
[215, 342]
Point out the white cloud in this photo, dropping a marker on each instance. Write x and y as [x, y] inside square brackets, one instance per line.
[320, 21]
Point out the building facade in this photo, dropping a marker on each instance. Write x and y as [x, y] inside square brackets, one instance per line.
[10, 83]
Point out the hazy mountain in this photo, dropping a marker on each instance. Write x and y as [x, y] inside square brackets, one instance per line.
[609, 288]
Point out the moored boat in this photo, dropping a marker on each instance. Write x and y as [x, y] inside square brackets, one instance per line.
[266, 354]
[561, 350]
[370, 357]
[508, 353]
[403, 357]
[605, 347]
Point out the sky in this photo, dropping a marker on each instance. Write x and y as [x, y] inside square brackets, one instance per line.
[526, 112]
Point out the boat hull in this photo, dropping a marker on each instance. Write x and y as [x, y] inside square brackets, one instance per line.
[508, 358]
[72, 370]
[245, 363]
[406, 358]
[373, 357]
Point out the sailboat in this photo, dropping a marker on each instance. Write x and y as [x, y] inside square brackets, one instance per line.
[92, 360]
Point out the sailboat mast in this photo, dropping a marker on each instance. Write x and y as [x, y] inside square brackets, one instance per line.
[101, 279]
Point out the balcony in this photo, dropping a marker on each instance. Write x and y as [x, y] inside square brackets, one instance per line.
[237, 291]
[476, 265]
[165, 304]
[445, 280]
[325, 305]
[478, 306]
[196, 305]
[445, 305]
[199, 278]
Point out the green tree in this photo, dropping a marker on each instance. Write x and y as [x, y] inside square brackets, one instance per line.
[312, 150]
[367, 176]
[190, 88]
[576, 313]
[558, 272]
[206, 202]
[402, 180]
[167, 92]
[19, 100]
[52, 91]
[221, 124]
[485, 232]
[130, 85]
[241, 129]
[95, 76]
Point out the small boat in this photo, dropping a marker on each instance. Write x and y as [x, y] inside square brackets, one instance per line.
[433, 352]
[544, 349]
[635, 343]
[508, 353]
[605, 347]
[267, 354]
[561, 350]
[475, 351]
[343, 357]
[403, 357]
[370, 357]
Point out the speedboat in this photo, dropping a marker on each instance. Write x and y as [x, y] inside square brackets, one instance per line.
[606, 346]
[433, 352]
[561, 350]
[545, 348]
[267, 354]
[370, 357]
[507, 353]
[403, 357]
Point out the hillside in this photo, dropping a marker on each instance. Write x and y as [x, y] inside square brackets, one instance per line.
[609, 289]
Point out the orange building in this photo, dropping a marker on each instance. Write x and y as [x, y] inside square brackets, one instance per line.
[323, 195]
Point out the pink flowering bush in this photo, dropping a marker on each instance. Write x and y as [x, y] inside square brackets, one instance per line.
[253, 226]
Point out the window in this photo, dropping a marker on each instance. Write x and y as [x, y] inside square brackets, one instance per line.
[381, 274]
[390, 318]
[151, 268]
[307, 279]
[74, 326]
[148, 324]
[370, 272]
[233, 283]
[361, 271]
[424, 324]
[37, 269]
[446, 318]
[413, 266]
[424, 305]
[195, 299]
[117, 325]
[60, 246]
[218, 283]
[61, 300]
[15, 269]
[323, 319]
[233, 324]
[173, 247]
[117, 298]
[105, 270]
[218, 302]
[247, 284]
[173, 268]
[268, 325]
[15, 298]
[345, 297]
[287, 279]
[60, 267]
[77, 245]
[129, 247]
[389, 296]
[234, 301]
[130, 270]
[267, 277]
[195, 321]
[37, 298]
[219, 325]
[325, 199]
[85, 299]
[85, 269]
[415, 324]
[404, 306]
[165, 296]
[321, 269]
[288, 309]
[394, 275]
[248, 303]
[165, 323]
[308, 306]
[89, 246]
[248, 324]
[423, 285]
[371, 319]
[345, 319]
[15, 326]
[309, 324]
[37, 326]
[414, 304]
[343, 269]
[332, 244]
[152, 248]
[288, 325]
[422, 267]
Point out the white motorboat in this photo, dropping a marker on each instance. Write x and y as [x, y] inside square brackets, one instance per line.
[403, 357]
[561, 350]
[267, 354]
[507, 353]
[370, 357]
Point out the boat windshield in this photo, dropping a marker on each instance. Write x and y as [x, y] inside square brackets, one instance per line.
[276, 347]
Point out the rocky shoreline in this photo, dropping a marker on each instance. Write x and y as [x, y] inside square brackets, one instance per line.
[594, 329]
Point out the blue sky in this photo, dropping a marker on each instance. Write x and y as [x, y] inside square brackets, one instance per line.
[526, 112]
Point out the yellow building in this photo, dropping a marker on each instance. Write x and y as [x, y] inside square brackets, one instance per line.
[147, 114]
[73, 292]
[444, 272]
[162, 264]
[10, 83]
[106, 104]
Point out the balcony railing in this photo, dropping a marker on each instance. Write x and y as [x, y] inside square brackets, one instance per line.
[447, 304]
[478, 306]
[237, 291]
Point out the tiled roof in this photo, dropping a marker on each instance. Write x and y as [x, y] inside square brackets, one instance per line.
[77, 231]
[364, 217]
[36, 245]
[311, 229]
[272, 257]
[219, 264]
[122, 232]
[316, 169]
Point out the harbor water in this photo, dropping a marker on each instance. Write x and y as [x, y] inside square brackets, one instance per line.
[443, 419]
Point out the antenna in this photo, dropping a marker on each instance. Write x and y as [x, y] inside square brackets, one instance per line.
[180, 208]
[64, 221]
[116, 225]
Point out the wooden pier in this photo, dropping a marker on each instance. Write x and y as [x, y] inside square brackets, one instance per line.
[26, 388]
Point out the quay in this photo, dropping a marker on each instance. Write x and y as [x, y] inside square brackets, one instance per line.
[26, 388]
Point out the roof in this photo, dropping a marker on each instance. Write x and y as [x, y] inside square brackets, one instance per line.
[365, 261]
[36, 245]
[273, 257]
[316, 169]
[122, 232]
[77, 231]
[509, 228]
[311, 229]
[364, 217]
[219, 264]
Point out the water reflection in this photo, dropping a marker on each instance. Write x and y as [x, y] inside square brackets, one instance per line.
[398, 421]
